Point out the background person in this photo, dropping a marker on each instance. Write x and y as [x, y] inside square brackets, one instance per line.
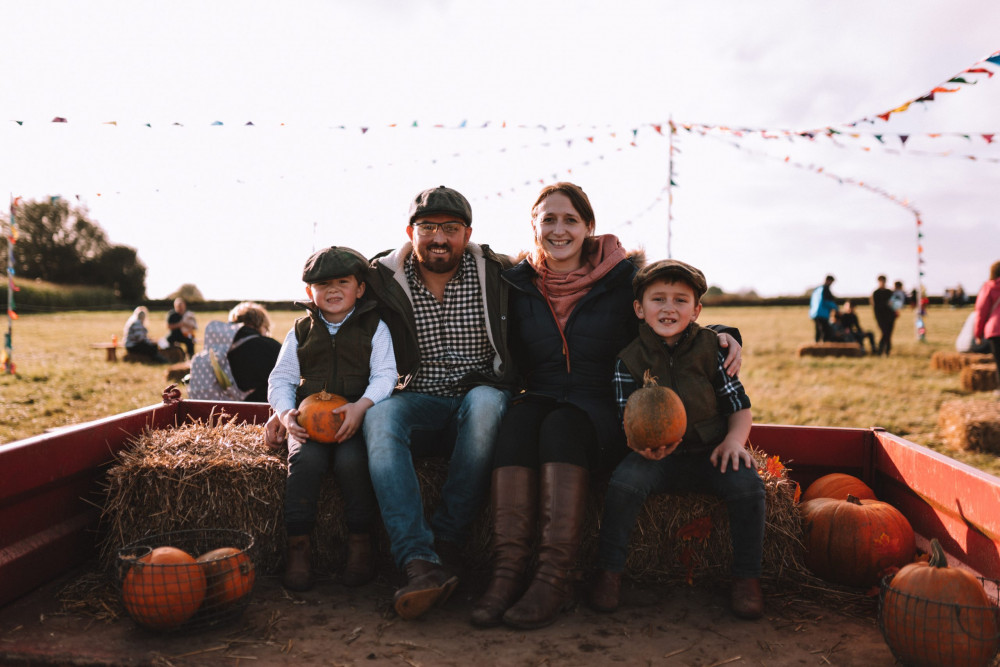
[182, 325]
[885, 315]
[254, 353]
[987, 324]
[850, 328]
[136, 336]
[821, 304]
[570, 314]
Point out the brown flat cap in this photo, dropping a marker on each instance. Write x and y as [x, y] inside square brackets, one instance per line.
[672, 269]
[334, 262]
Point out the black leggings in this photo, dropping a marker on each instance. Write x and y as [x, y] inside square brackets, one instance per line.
[537, 431]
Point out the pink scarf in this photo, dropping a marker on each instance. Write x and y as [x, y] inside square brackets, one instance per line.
[562, 291]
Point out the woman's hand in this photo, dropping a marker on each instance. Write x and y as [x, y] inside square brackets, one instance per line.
[734, 357]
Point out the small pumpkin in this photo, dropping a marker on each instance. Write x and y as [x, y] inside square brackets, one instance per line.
[229, 575]
[317, 418]
[838, 485]
[853, 541]
[933, 614]
[164, 588]
[654, 417]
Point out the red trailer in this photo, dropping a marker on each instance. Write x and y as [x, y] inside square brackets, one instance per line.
[47, 517]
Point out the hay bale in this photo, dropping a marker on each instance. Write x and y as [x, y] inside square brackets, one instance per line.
[970, 424]
[953, 362]
[222, 475]
[979, 377]
[831, 350]
[176, 372]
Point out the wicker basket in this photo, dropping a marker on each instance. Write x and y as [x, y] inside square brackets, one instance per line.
[175, 593]
[925, 632]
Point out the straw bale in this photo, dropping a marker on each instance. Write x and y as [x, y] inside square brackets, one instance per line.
[224, 476]
[979, 377]
[831, 350]
[970, 424]
[953, 362]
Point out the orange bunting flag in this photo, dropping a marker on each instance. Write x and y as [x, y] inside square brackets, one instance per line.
[942, 89]
[658, 128]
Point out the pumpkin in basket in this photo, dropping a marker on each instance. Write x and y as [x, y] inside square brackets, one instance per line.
[654, 417]
[229, 575]
[164, 588]
[933, 614]
[838, 485]
[853, 542]
[317, 418]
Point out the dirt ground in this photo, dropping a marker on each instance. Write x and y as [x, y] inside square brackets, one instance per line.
[334, 625]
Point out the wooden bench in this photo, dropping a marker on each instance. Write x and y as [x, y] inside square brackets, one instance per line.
[112, 349]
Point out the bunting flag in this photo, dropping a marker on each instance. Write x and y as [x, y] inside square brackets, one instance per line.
[7, 357]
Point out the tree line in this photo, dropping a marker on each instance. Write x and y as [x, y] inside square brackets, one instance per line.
[61, 244]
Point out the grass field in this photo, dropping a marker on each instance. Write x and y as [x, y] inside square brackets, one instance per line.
[61, 381]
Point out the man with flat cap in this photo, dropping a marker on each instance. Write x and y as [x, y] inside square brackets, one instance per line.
[446, 307]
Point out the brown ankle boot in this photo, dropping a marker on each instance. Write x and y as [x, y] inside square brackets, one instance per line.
[360, 567]
[428, 584]
[297, 571]
[563, 492]
[515, 501]
[606, 591]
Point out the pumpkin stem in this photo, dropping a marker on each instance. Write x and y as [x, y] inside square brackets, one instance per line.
[938, 557]
[853, 499]
[649, 380]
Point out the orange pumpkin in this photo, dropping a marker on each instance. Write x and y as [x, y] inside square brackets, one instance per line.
[838, 485]
[852, 542]
[164, 588]
[933, 614]
[229, 575]
[654, 417]
[317, 418]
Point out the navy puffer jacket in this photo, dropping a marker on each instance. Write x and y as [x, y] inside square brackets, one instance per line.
[602, 323]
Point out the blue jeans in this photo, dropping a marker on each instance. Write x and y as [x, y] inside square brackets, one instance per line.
[307, 466]
[390, 425]
[636, 478]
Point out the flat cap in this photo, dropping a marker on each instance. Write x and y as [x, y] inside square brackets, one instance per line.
[671, 269]
[441, 200]
[334, 262]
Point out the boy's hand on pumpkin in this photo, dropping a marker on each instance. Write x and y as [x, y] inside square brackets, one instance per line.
[657, 454]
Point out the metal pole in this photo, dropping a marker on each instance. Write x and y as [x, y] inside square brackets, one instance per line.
[670, 191]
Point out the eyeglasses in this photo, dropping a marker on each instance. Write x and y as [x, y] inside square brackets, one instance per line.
[431, 228]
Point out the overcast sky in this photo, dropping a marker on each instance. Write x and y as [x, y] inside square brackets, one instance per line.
[357, 106]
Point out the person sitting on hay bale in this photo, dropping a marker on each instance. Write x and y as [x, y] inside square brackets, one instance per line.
[137, 340]
[846, 328]
[361, 367]
[685, 357]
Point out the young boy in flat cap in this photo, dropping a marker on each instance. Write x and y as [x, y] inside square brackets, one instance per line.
[685, 357]
[342, 347]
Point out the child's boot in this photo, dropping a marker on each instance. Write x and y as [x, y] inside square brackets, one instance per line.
[360, 567]
[297, 570]
[606, 591]
[747, 599]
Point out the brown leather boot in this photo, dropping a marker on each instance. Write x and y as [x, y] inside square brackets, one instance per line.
[360, 567]
[427, 584]
[747, 599]
[297, 571]
[515, 502]
[606, 591]
[561, 509]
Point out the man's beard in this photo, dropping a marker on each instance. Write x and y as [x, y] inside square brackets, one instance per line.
[437, 263]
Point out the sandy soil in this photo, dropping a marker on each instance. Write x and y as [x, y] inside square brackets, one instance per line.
[334, 625]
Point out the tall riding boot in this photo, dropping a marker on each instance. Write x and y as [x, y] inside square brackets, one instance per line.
[515, 503]
[297, 570]
[561, 510]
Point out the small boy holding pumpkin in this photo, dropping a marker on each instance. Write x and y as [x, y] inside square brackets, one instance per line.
[341, 347]
[685, 357]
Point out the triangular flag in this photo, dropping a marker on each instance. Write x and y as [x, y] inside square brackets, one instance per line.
[59, 119]
[988, 138]
[218, 122]
[979, 70]
[903, 138]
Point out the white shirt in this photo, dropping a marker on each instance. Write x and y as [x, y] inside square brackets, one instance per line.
[285, 376]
